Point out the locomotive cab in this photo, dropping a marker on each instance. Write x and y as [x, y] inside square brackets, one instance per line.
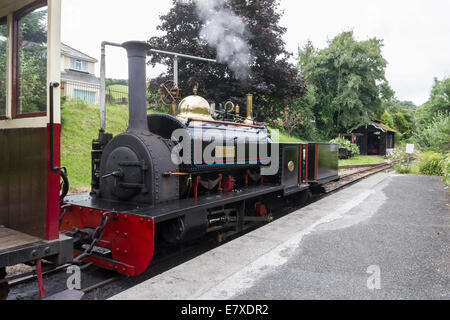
[30, 129]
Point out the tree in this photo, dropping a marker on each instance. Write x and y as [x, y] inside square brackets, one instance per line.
[433, 119]
[407, 108]
[438, 103]
[272, 78]
[291, 119]
[386, 118]
[33, 62]
[349, 79]
[435, 135]
[402, 125]
[33, 27]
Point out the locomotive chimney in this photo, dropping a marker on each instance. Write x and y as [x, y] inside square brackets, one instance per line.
[137, 95]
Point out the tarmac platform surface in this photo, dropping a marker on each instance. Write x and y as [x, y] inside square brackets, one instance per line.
[386, 237]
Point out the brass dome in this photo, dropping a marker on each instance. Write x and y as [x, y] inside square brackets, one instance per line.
[194, 107]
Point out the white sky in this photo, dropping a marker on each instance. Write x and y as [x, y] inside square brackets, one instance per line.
[416, 33]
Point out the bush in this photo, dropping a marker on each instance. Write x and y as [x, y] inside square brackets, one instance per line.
[431, 163]
[436, 135]
[446, 169]
[353, 149]
[401, 161]
[386, 118]
[402, 169]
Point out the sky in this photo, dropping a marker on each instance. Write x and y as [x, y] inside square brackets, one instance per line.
[416, 33]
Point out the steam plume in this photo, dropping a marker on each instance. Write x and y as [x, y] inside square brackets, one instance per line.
[225, 31]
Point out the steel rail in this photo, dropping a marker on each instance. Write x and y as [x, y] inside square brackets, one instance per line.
[31, 275]
[358, 166]
[354, 177]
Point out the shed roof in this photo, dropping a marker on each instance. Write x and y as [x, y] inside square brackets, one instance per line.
[74, 53]
[376, 124]
[385, 127]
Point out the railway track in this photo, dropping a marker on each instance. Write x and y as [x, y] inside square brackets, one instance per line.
[348, 179]
[94, 277]
[109, 279]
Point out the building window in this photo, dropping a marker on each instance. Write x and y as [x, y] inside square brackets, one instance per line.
[84, 95]
[78, 65]
[3, 38]
[30, 64]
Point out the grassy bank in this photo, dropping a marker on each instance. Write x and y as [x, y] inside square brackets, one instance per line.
[80, 124]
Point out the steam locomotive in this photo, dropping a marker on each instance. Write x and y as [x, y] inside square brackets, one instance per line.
[171, 179]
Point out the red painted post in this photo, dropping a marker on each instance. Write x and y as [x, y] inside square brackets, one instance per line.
[39, 278]
[196, 182]
[53, 185]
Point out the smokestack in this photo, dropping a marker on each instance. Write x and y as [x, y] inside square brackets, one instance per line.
[137, 90]
[249, 119]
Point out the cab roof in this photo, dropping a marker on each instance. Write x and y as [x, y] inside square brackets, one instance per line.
[10, 6]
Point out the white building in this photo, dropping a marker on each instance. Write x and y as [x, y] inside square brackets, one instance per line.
[78, 80]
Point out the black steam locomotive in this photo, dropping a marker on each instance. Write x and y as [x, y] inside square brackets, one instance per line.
[175, 178]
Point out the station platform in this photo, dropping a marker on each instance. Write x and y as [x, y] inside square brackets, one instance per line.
[324, 250]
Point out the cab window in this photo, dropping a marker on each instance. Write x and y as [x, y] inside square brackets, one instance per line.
[31, 63]
[3, 66]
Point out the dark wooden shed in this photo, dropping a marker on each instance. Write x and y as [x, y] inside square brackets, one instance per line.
[373, 139]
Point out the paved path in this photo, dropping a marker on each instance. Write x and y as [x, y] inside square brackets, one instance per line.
[394, 227]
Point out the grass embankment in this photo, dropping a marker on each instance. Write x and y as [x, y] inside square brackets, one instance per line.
[80, 124]
[360, 160]
[284, 137]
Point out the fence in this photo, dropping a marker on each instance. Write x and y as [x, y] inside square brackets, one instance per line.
[90, 93]
[87, 92]
[116, 96]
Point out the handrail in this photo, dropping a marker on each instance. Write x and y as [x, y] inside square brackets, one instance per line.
[53, 85]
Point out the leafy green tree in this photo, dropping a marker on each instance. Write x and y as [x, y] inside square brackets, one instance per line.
[33, 27]
[408, 109]
[402, 125]
[272, 78]
[307, 130]
[439, 103]
[386, 118]
[33, 77]
[33, 62]
[435, 136]
[349, 80]
[433, 119]
[110, 82]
